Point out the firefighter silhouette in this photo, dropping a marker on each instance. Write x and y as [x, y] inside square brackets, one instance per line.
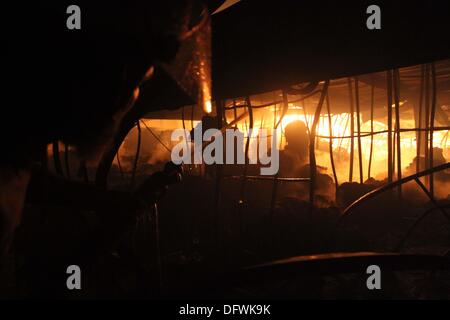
[294, 162]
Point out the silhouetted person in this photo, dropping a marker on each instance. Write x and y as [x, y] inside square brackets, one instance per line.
[294, 162]
[295, 154]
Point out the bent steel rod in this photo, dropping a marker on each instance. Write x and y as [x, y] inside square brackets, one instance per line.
[427, 120]
[430, 196]
[402, 242]
[345, 130]
[389, 115]
[275, 177]
[183, 122]
[420, 120]
[234, 111]
[397, 126]
[312, 138]
[432, 118]
[368, 134]
[372, 102]
[156, 137]
[330, 125]
[306, 117]
[268, 178]
[273, 103]
[352, 130]
[389, 186]
[358, 127]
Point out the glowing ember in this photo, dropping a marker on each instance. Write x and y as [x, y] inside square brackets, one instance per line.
[207, 107]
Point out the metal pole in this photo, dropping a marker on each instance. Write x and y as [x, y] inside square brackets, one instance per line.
[275, 178]
[433, 114]
[372, 102]
[235, 112]
[358, 126]
[333, 167]
[419, 134]
[397, 126]
[389, 114]
[312, 155]
[352, 130]
[427, 122]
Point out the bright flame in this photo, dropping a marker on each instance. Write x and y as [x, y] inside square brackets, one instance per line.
[340, 124]
[207, 107]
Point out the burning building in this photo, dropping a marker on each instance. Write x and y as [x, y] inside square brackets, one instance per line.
[358, 118]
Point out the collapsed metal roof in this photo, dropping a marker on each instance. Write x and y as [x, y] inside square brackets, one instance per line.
[259, 46]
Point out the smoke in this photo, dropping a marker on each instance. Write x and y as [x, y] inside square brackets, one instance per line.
[379, 169]
[152, 152]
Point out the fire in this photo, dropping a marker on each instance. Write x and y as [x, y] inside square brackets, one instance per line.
[341, 131]
[207, 108]
[374, 149]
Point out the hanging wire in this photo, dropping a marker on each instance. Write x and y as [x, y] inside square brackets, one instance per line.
[156, 137]
[333, 167]
[136, 158]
